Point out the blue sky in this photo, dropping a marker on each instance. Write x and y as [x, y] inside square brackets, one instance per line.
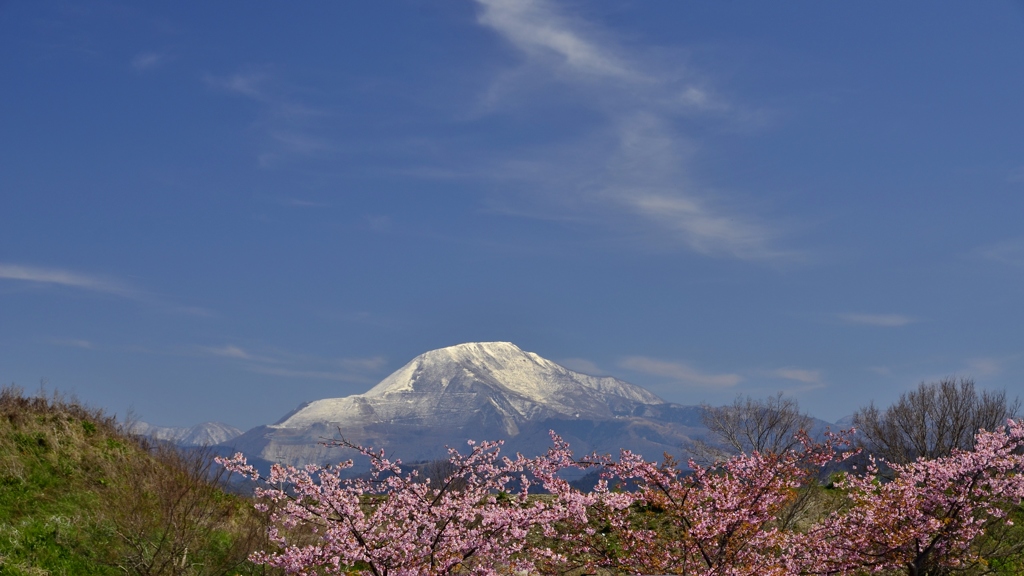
[218, 211]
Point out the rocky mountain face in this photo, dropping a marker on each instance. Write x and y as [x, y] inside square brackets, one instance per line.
[205, 434]
[479, 391]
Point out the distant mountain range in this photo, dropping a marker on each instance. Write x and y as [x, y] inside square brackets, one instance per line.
[205, 434]
[474, 391]
[479, 391]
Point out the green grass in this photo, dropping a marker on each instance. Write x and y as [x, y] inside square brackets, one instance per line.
[79, 496]
[48, 486]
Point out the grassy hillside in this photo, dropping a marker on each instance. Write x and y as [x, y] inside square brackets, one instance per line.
[79, 496]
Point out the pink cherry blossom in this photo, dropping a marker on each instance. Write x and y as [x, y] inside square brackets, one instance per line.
[642, 517]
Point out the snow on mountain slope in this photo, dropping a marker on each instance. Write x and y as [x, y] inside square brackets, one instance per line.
[445, 386]
[205, 434]
[479, 391]
[208, 434]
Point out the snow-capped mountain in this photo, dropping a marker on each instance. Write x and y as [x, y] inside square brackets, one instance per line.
[205, 434]
[481, 391]
[492, 383]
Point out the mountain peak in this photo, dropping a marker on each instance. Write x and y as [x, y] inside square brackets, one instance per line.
[444, 363]
[478, 390]
[453, 385]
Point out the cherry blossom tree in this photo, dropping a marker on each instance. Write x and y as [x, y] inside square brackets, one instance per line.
[393, 524]
[927, 520]
[720, 519]
[723, 520]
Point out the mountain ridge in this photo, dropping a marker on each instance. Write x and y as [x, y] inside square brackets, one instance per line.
[527, 387]
[478, 391]
[204, 434]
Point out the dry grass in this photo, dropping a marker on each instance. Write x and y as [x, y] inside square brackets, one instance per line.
[79, 495]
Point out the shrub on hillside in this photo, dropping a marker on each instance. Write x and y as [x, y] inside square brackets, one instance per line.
[80, 496]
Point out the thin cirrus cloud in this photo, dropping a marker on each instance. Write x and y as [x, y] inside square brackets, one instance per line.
[147, 61]
[679, 372]
[371, 364]
[882, 320]
[806, 379]
[285, 122]
[641, 152]
[232, 351]
[582, 365]
[540, 31]
[303, 203]
[985, 366]
[41, 276]
[798, 375]
[60, 277]
[75, 343]
[337, 376]
[1006, 252]
[286, 111]
[251, 84]
[350, 370]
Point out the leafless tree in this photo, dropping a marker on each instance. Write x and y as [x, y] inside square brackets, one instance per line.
[766, 426]
[747, 425]
[165, 508]
[932, 420]
[442, 472]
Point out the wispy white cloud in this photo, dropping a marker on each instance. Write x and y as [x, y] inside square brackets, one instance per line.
[75, 343]
[338, 376]
[303, 144]
[197, 311]
[939, 367]
[43, 276]
[798, 374]
[543, 33]
[701, 99]
[984, 366]
[379, 223]
[800, 380]
[301, 203]
[252, 84]
[581, 365]
[702, 229]
[371, 364]
[305, 366]
[638, 164]
[1006, 252]
[284, 113]
[881, 370]
[232, 351]
[679, 372]
[884, 320]
[287, 124]
[147, 60]
[61, 277]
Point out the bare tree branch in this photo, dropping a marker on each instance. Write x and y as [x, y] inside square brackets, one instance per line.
[932, 420]
[748, 425]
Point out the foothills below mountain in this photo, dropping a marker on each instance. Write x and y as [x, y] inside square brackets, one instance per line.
[478, 391]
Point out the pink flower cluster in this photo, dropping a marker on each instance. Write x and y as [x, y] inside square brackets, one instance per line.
[642, 517]
[929, 515]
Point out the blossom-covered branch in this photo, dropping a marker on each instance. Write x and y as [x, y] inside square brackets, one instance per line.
[725, 519]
